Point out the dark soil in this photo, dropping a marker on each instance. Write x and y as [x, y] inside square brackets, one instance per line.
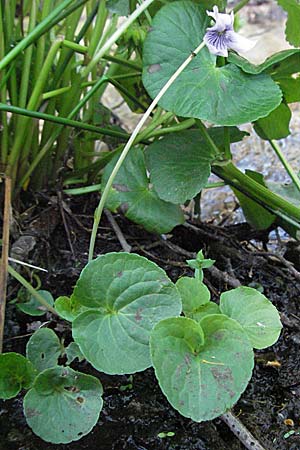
[55, 235]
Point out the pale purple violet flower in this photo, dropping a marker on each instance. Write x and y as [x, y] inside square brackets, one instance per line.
[221, 37]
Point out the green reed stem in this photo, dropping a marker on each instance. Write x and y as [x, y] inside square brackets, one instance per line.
[26, 65]
[99, 27]
[31, 37]
[63, 121]
[41, 43]
[120, 30]
[21, 132]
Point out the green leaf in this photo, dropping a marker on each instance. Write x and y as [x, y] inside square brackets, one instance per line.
[200, 262]
[204, 310]
[68, 308]
[280, 64]
[190, 158]
[63, 405]
[16, 373]
[73, 352]
[275, 125]
[131, 189]
[222, 95]
[292, 29]
[208, 365]
[131, 295]
[33, 307]
[256, 215]
[193, 294]
[256, 314]
[291, 88]
[43, 349]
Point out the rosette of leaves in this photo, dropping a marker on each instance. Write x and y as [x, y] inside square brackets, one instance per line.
[209, 352]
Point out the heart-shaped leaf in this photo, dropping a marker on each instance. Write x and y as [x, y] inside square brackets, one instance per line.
[33, 307]
[131, 295]
[189, 156]
[132, 191]
[63, 405]
[256, 314]
[43, 349]
[194, 294]
[201, 368]
[222, 95]
[16, 373]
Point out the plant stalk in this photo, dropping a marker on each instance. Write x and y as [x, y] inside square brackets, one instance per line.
[290, 171]
[99, 209]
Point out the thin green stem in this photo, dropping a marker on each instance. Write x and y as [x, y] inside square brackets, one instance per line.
[264, 196]
[31, 37]
[184, 125]
[156, 121]
[99, 27]
[63, 121]
[232, 175]
[106, 47]
[27, 60]
[290, 171]
[32, 104]
[227, 153]
[99, 210]
[207, 137]
[30, 289]
[240, 5]
[41, 43]
[216, 184]
[128, 94]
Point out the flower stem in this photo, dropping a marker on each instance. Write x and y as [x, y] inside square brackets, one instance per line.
[286, 164]
[99, 209]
